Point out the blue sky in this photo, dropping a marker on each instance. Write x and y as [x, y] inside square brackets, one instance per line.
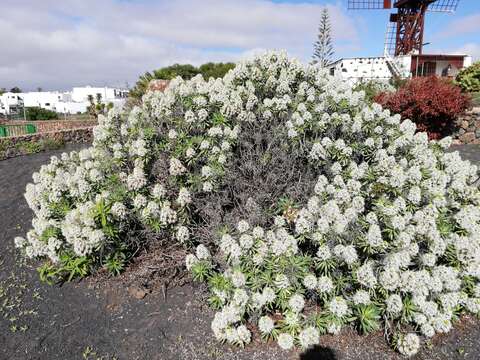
[57, 45]
[465, 22]
[444, 32]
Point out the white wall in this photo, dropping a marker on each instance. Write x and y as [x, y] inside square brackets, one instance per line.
[405, 64]
[43, 99]
[362, 68]
[467, 61]
[71, 107]
[108, 94]
[370, 68]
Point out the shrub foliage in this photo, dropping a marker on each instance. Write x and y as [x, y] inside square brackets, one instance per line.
[469, 78]
[431, 102]
[310, 208]
[38, 113]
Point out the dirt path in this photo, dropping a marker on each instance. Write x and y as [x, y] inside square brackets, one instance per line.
[77, 321]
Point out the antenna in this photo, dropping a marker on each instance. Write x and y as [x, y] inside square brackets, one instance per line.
[406, 28]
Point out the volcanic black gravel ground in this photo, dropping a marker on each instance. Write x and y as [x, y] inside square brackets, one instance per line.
[79, 321]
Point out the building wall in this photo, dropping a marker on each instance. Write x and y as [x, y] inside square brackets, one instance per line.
[43, 99]
[10, 103]
[379, 68]
[370, 68]
[55, 101]
[361, 68]
[420, 64]
[71, 107]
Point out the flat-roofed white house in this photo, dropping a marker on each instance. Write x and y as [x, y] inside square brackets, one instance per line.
[80, 94]
[44, 99]
[68, 102]
[11, 103]
[384, 68]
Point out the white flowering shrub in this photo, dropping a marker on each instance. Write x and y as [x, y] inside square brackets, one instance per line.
[384, 232]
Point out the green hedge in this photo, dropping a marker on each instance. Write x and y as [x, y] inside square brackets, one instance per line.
[37, 113]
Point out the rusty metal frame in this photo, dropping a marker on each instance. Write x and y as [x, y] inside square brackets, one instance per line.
[410, 27]
[410, 19]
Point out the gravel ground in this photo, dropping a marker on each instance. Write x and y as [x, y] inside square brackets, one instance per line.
[82, 321]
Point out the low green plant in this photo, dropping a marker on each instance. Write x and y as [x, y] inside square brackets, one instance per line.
[116, 262]
[67, 268]
[373, 87]
[89, 353]
[5, 144]
[29, 147]
[475, 99]
[368, 317]
[52, 144]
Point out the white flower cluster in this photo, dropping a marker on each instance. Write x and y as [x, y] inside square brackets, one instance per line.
[84, 201]
[390, 227]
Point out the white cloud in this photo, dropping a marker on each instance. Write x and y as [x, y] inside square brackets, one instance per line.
[60, 44]
[471, 49]
[461, 26]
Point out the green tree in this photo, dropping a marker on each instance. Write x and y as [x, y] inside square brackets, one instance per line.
[3, 91]
[215, 70]
[16, 89]
[185, 71]
[96, 106]
[323, 46]
[141, 85]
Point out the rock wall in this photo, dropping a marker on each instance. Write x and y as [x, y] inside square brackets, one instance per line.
[27, 144]
[53, 125]
[158, 85]
[468, 128]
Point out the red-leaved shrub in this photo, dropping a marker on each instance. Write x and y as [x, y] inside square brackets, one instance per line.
[432, 103]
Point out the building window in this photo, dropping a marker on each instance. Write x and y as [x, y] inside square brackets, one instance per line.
[428, 68]
[47, 104]
[332, 71]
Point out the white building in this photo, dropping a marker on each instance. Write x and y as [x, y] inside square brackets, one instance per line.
[69, 102]
[80, 94]
[11, 103]
[384, 68]
[44, 99]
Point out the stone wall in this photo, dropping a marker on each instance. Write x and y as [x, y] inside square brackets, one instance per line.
[53, 125]
[158, 85]
[468, 128]
[27, 144]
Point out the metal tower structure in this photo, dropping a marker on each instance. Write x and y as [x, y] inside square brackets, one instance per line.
[406, 35]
